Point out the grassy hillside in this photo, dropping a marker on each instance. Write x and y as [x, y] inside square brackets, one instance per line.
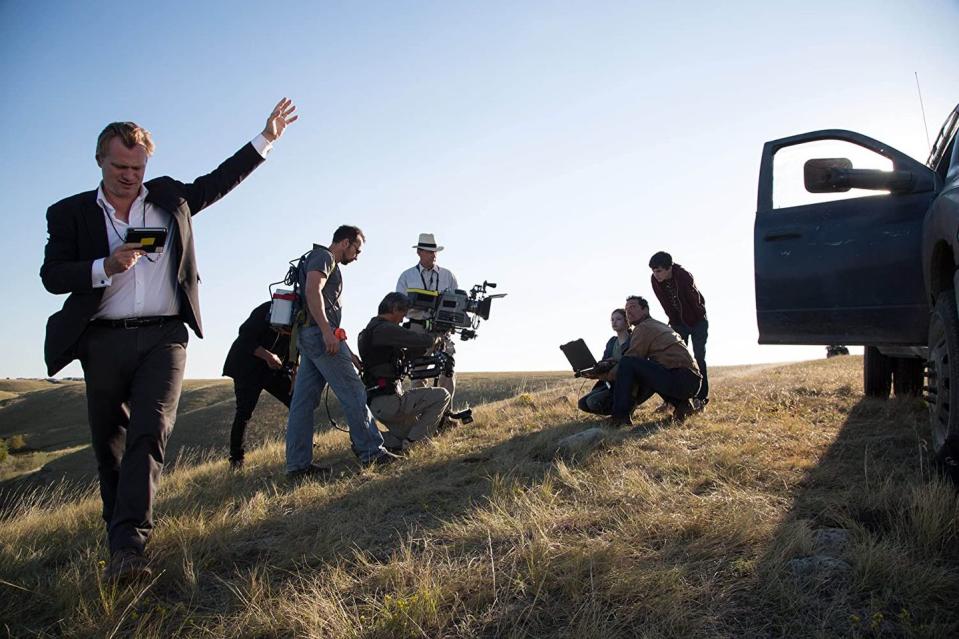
[794, 507]
[53, 418]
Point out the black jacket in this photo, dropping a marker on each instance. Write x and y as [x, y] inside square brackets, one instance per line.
[382, 342]
[78, 236]
[241, 363]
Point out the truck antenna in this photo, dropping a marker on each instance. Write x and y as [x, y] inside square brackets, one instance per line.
[923, 109]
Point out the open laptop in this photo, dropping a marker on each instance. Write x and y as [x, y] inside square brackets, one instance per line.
[581, 359]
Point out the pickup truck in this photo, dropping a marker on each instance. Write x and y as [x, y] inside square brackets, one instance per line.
[864, 251]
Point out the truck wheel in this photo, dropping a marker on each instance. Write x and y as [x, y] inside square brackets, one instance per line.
[943, 394]
[907, 376]
[876, 373]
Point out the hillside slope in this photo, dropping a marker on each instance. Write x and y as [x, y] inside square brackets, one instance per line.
[53, 417]
[794, 507]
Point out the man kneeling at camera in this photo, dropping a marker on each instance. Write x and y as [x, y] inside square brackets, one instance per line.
[385, 348]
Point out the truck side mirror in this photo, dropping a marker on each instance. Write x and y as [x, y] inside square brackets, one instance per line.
[819, 175]
[836, 175]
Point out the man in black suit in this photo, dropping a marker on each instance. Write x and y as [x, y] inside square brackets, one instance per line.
[124, 318]
[258, 361]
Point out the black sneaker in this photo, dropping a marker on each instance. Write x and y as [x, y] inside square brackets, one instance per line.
[682, 410]
[383, 459]
[313, 471]
[619, 422]
[464, 416]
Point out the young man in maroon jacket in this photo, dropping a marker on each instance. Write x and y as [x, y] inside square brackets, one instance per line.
[686, 309]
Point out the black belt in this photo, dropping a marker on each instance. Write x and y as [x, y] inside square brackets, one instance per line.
[134, 322]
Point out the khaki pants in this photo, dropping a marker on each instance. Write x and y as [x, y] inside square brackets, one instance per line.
[412, 416]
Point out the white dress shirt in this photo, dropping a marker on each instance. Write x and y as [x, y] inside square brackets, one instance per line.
[434, 279]
[150, 287]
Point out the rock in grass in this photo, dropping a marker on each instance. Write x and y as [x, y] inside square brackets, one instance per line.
[580, 444]
[831, 542]
[819, 567]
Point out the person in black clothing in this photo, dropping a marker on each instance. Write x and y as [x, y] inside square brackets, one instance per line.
[685, 307]
[410, 415]
[257, 361]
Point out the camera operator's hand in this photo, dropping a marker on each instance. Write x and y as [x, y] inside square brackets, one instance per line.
[123, 259]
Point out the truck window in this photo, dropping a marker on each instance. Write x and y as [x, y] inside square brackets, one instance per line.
[788, 187]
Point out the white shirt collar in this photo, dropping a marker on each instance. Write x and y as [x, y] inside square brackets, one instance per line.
[106, 206]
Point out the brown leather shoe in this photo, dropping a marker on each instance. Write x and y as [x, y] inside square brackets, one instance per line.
[127, 565]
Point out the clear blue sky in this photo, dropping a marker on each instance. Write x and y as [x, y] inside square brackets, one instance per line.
[551, 146]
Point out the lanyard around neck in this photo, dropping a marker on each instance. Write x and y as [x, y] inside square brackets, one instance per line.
[433, 275]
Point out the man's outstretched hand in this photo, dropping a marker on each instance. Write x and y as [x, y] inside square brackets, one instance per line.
[281, 117]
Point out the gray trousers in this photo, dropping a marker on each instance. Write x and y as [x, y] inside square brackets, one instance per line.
[133, 380]
[414, 415]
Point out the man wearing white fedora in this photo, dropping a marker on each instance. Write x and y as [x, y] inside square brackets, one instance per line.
[431, 277]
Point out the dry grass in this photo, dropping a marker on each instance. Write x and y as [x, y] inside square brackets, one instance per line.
[663, 531]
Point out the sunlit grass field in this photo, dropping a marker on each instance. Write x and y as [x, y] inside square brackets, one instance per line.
[716, 527]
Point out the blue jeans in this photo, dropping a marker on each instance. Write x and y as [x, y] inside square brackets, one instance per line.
[699, 333]
[675, 385]
[317, 368]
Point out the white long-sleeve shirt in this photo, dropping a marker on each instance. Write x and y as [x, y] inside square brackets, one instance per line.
[150, 287]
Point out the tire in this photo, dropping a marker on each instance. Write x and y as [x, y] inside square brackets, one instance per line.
[907, 376]
[943, 393]
[876, 373]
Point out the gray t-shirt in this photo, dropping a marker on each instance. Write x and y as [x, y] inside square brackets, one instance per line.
[321, 260]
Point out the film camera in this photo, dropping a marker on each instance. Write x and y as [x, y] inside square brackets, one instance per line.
[454, 311]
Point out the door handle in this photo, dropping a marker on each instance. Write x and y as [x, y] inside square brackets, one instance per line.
[788, 233]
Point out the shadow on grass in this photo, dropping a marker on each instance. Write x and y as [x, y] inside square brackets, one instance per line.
[897, 572]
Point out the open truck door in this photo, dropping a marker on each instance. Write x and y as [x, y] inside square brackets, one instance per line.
[838, 242]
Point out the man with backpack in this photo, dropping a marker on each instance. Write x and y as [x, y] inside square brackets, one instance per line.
[327, 359]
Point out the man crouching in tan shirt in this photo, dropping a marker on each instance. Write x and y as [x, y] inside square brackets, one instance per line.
[657, 361]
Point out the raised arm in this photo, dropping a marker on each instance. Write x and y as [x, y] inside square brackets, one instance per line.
[207, 189]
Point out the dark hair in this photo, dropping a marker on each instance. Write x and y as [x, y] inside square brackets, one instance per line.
[130, 133]
[347, 232]
[661, 260]
[639, 300]
[394, 302]
[621, 311]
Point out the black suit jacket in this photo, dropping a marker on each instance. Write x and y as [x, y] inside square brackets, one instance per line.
[78, 236]
[241, 364]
